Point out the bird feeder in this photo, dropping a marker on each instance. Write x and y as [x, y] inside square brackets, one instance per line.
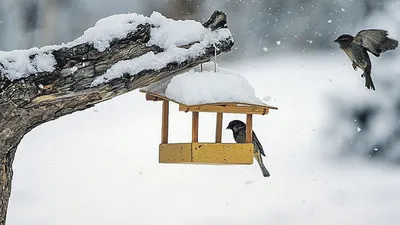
[197, 152]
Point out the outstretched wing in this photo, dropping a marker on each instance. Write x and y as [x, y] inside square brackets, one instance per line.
[375, 41]
[257, 143]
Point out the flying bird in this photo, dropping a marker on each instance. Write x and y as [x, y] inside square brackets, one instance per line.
[239, 134]
[374, 41]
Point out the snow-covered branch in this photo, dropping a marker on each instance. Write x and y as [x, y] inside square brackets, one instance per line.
[121, 50]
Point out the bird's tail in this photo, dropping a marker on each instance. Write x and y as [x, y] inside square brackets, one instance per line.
[261, 164]
[368, 79]
[388, 44]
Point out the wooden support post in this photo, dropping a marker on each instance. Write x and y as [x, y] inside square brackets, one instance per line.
[249, 128]
[218, 129]
[195, 127]
[164, 126]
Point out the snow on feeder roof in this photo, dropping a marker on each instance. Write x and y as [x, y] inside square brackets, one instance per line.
[195, 88]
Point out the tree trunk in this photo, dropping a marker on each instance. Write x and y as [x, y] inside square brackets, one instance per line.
[6, 173]
[35, 99]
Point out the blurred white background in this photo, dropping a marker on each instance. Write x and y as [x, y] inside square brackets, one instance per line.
[332, 147]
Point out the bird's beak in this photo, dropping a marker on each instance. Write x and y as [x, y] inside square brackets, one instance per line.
[227, 128]
[335, 40]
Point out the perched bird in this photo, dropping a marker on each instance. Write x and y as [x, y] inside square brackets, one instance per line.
[239, 134]
[374, 41]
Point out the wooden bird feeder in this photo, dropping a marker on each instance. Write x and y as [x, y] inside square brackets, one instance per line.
[205, 153]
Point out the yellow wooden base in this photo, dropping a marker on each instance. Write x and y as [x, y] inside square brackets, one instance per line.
[206, 153]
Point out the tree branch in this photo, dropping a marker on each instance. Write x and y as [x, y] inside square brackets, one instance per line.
[38, 98]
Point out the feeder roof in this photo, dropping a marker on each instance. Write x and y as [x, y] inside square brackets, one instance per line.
[194, 88]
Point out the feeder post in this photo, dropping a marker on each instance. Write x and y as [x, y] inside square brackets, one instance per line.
[164, 125]
[195, 126]
[249, 128]
[218, 130]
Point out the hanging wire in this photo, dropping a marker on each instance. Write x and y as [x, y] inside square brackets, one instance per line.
[215, 58]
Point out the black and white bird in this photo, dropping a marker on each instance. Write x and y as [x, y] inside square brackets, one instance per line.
[239, 134]
[374, 41]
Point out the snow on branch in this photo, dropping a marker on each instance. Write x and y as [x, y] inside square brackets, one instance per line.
[120, 53]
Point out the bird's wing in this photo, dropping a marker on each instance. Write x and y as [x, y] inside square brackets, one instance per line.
[375, 41]
[257, 143]
[240, 134]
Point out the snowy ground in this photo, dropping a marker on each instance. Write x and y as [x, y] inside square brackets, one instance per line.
[100, 166]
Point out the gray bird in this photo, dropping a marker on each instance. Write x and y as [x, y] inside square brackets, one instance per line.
[374, 41]
[239, 134]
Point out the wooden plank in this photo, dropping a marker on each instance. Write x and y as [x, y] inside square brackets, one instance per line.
[226, 109]
[235, 104]
[175, 153]
[206, 153]
[222, 153]
[195, 127]
[165, 122]
[150, 97]
[231, 104]
[249, 128]
[218, 128]
[156, 97]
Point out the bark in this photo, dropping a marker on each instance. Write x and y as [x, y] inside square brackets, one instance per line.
[38, 98]
[6, 173]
